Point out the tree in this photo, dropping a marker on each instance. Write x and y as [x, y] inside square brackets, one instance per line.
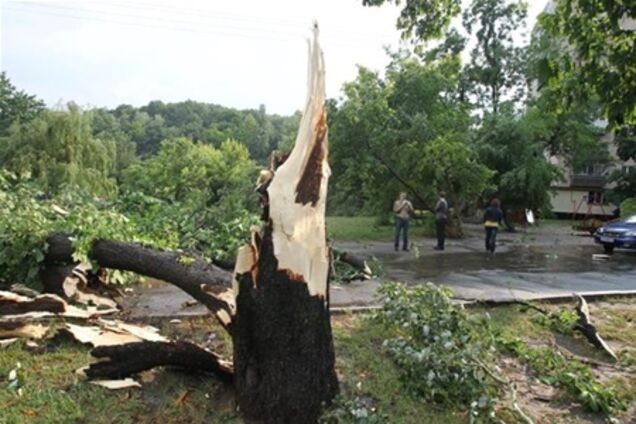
[16, 106]
[598, 55]
[422, 19]
[450, 165]
[382, 126]
[106, 127]
[507, 145]
[624, 177]
[58, 149]
[496, 70]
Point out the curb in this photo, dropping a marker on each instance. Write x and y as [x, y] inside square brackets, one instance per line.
[470, 303]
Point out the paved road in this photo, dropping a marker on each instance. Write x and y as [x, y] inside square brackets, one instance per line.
[543, 261]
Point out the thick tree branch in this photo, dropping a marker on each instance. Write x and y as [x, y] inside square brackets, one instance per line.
[131, 358]
[191, 274]
[397, 176]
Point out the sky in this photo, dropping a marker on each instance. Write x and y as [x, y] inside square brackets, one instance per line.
[236, 53]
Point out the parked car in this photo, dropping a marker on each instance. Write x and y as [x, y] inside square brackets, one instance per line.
[620, 234]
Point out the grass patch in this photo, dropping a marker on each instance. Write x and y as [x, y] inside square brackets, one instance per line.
[373, 388]
[51, 392]
[367, 228]
[369, 375]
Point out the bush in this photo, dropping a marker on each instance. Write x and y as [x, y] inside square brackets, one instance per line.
[628, 207]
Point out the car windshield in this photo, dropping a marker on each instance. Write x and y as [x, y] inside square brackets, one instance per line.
[631, 219]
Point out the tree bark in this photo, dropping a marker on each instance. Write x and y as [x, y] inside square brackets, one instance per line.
[283, 347]
[131, 358]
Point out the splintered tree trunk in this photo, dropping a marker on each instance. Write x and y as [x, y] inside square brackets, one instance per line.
[277, 311]
[283, 347]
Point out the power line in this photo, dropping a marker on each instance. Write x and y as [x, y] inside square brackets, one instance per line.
[37, 7]
[300, 30]
[223, 31]
[300, 22]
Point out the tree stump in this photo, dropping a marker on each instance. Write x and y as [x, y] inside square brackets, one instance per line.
[283, 346]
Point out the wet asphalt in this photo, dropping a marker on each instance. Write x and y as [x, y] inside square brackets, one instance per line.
[538, 262]
[546, 261]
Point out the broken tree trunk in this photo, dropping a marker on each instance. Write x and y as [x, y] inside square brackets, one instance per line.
[278, 312]
[283, 347]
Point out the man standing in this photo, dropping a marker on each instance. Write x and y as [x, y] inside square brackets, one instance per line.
[441, 218]
[403, 209]
[492, 219]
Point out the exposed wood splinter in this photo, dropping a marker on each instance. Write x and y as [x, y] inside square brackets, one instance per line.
[584, 325]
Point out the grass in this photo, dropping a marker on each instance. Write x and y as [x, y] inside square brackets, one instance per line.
[53, 393]
[366, 228]
[370, 375]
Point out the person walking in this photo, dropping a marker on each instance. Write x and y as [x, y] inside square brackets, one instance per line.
[441, 218]
[492, 218]
[403, 210]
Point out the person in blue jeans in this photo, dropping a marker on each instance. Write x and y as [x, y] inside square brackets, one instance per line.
[403, 209]
[492, 218]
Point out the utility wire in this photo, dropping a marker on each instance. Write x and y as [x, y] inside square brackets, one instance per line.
[299, 22]
[300, 31]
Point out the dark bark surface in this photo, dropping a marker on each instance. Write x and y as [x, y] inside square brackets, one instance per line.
[60, 249]
[187, 272]
[283, 348]
[131, 358]
[53, 275]
[39, 304]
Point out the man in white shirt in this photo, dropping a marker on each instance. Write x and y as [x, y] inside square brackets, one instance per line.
[403, 210]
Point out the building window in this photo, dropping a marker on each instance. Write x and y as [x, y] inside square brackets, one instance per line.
[595, 198]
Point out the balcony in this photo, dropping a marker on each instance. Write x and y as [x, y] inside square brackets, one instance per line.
[587, 181]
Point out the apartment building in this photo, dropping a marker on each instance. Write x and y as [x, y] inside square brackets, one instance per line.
[583, 192]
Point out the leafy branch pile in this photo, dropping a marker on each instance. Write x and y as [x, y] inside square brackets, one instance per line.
[448, 356]
[28, 216]
[552, 368]
[439, 348]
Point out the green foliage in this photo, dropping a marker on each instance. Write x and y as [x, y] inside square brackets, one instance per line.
[58, 151]
[184, 171]
[562, 322]
[16, 106]
[209, 124]
[450, 165]
[496, 69]
[199, 193]
[24, 225]
[599, 59]
[422, 19]
[628, 207]
[624, 178]
[569, 374]
[506, 144]
[381, 128]
[438, 348]
[27, 219]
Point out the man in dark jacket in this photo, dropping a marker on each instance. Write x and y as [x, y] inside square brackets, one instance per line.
[441, 218]
[492, 218]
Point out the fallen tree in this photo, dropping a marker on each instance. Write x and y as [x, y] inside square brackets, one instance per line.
[275, 304]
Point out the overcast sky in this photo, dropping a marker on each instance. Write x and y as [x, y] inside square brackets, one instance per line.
[238, 53]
